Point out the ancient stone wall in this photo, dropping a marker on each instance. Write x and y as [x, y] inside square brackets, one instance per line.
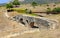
[36, 22]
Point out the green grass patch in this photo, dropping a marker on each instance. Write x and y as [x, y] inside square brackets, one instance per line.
[23, 11]
[19, 10]
[33, 14]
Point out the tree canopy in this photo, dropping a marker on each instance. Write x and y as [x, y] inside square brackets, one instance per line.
[34, 4]
[16, 2]
[9, 5]
[56, 9]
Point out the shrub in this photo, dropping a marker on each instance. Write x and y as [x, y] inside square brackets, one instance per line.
[16, 2]
[47, 5]
[34, 4]
[27, 11]
[48, 10]
[9, 5]
[56, 9]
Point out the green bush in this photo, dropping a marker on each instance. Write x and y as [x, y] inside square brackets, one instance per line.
[48, 10]
[16, 2]
[27, 11]
[56, 9]
[34, 4]
[9, 5]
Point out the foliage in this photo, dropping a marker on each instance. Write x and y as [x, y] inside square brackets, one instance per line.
[28, 11]
[48, 9]
[34, 4]
[24, 11]
[56, 9]
[9, 5]
[47, 5]
[16, 2]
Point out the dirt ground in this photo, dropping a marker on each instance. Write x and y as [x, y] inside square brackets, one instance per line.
[8, 27]
[55, 33]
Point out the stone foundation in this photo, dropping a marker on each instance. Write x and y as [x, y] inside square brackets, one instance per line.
[36, 22]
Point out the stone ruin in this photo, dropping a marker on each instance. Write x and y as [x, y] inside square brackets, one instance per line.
[36, 22]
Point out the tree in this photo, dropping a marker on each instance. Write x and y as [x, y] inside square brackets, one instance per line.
[9, 5]
[56, 9]
[16, 2]
[34, 4]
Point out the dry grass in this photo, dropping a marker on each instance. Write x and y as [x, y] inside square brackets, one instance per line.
[5, 24]
[8, 26]
[39, 8]
[44, 33]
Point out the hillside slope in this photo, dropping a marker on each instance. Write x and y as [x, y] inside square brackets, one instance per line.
[41, 1]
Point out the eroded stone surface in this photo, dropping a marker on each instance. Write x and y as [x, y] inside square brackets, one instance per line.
[40, 22]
